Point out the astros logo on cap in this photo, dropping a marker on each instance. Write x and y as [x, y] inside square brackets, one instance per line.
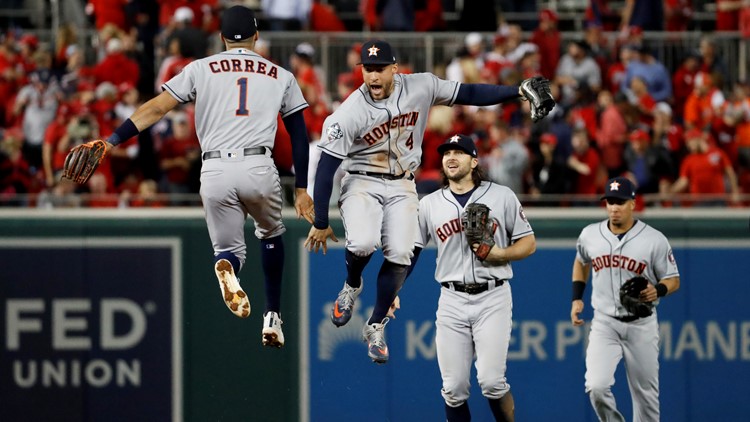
[454, 139]
[373, 51]
[614, 186]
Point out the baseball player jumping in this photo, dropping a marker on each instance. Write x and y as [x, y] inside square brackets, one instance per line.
[377, 133]
[622, 250]
[238, 95]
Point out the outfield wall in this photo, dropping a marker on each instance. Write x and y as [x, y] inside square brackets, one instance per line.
[116, 315]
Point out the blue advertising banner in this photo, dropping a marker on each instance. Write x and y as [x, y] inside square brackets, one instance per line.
[705, 342]
[91, 329]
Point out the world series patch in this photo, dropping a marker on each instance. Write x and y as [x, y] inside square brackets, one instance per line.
[334, 132]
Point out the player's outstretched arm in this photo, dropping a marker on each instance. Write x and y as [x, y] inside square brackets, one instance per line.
[318, 238]
[320, 232]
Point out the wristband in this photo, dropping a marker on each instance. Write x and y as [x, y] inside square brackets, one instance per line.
[661, 290]
[578, 288]
[126, 131]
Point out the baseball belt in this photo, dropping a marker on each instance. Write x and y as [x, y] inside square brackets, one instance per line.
[387, 176]
[247, 151]
[471, 289]
[628, 318]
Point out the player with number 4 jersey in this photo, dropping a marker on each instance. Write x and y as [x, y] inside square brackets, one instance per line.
[377, 134]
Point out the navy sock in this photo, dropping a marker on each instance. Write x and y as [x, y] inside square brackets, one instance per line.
[354, 267]
[390, 280]
[458, 414]
[231, 258]
[503, 408]
[272, 258]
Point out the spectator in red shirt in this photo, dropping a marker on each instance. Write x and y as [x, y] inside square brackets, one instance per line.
[586, 166]
[704, 170]
[15, 173]
[56, 146]
[610, 134]
[108, 11]
[704, 103]
[179, 153]
[547, 38]
[116, 67]
[728, 14]
[323, 18]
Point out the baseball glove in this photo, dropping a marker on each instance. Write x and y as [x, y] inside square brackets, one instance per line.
[537, 92]
[82, 161]
[479, 228]
[629, 297]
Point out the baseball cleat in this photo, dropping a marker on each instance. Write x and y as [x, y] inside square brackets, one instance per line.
[341, 312]
[374, 335]
[234, 297]
[272, 334]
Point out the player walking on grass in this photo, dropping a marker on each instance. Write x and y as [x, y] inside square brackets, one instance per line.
[377, 133]
[619, 249]
[474, 254]
[238, 96]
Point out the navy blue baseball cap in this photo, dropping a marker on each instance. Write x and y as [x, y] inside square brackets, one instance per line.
[460, 142]
[238, 23]
[620, 188]
[376, 52]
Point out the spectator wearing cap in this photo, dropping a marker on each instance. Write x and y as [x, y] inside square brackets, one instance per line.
[469, 60]
[286, 15]
[668, 133]
[38, 101]
[547, 38]
[116, 67]
[704, 104]
[351, 79]
[611, 133]
[645, 14]
[648, 164]
[515, 46]
[549, 172]
[310, 82]
[576, 68]
[192, 41]
[705, 170]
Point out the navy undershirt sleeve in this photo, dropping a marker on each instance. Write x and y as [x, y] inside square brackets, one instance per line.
[417, 251]
[327, 167]
[295, 125]
[485, 94]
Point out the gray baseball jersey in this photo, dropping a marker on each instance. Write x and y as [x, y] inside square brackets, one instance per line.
[477, 325]
[643, 251]
[440, 220]
[385, 136]
[238, 96]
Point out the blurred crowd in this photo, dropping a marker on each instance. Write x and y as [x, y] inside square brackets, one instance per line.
[671, 129]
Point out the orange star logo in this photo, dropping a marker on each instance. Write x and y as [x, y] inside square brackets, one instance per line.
[614, 186]
[454, 139]
[373, 51]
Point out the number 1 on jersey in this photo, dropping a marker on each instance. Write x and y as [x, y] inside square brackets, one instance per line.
[242, 109]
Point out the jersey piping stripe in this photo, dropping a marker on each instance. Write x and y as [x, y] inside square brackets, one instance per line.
[455, 94]
[335, 154]
[299, 107]
[174, 94]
